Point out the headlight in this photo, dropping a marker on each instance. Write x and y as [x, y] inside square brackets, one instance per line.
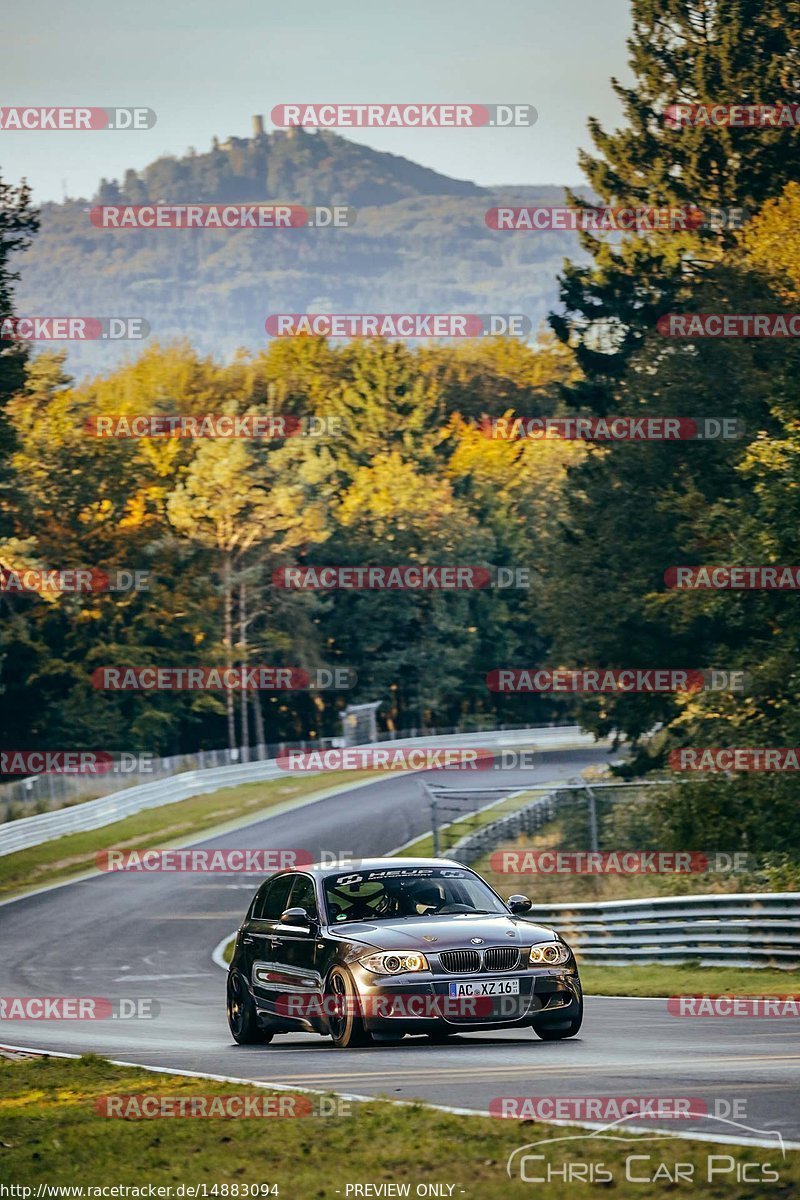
[395, 964]
[549, 954]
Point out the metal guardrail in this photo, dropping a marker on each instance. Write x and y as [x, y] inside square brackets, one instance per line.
[43, 793]
[746, 929]
[93, 814]
[35, 794]
[529, 819]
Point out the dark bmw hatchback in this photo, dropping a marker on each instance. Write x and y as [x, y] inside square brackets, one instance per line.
[391, 947]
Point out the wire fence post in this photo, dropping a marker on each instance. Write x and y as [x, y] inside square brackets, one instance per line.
[591, 803]
[434, 816]
[593, 833]
[435, 827]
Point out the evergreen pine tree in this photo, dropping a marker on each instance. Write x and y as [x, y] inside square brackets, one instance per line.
[681, 52]
[17, 222]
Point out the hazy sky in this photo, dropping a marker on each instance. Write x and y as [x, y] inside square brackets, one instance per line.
[207, 66]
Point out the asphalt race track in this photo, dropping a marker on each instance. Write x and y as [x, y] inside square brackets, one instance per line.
[130, 935]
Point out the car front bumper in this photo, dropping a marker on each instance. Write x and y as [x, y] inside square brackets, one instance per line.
[422, 1003]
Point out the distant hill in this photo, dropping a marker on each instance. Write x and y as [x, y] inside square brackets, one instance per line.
[419, 244]
[317, 167]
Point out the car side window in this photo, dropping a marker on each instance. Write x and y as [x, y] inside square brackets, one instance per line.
[258, 902]
[273, 902]
[303, 895]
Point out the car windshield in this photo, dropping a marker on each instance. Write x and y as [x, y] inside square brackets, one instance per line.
[387, 894]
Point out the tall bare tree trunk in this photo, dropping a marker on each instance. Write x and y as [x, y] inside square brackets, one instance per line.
[259, 719]
[243, 653]
[227, 592]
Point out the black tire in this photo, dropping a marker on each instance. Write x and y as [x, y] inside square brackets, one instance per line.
[242, 1017]
[347, 1026]
[555, 1033]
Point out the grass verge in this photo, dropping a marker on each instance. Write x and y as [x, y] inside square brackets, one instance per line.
[65, 857]
[687, 979]
[566, 887]
[52, 1134]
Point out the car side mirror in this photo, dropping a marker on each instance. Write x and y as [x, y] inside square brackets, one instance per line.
[519, 904]
[298, 919]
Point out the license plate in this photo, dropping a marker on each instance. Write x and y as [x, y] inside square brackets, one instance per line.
[485, 987]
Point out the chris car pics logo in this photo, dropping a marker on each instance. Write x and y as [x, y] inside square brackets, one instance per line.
[652, 1157]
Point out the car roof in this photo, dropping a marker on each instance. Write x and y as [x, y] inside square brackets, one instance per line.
[374, 864]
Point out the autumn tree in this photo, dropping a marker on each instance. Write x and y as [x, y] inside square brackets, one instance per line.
[686, 52]
[230, 502]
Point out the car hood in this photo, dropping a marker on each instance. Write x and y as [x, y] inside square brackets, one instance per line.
[445, 933]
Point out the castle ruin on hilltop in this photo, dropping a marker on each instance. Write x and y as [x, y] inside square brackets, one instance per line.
[259, 137]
